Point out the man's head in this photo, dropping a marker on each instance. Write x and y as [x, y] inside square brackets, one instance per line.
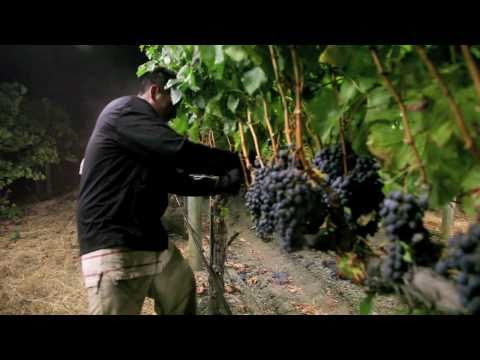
[152, 90]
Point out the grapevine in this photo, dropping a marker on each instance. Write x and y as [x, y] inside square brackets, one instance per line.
[374, 133]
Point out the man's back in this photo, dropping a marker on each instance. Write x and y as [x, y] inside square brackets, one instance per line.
[120, 201]
[130, 166]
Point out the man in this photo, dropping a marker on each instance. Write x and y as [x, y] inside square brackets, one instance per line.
[132, 161]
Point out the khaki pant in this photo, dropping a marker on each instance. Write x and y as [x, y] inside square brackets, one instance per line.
[173, 291]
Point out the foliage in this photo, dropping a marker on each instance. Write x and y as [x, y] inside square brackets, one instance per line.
[382, 100]
[33, 133]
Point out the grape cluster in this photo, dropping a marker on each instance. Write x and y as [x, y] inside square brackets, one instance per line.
[293, 196]
[258, 204]
[402, 216]
[330, 161]
[282, 200]
[463, 256]
[360, 190]
[318, 210]
[393, 265]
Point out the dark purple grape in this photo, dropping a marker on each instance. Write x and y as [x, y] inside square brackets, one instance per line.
[463, 255]
[402, 220]
[282, 201]
[393, 266]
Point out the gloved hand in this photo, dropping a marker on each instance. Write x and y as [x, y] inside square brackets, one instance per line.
[230, 183]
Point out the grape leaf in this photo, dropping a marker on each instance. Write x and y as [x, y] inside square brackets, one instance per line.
[472, 179]
[236, 52]
[253, 79]
[232, 103]
[442, 134]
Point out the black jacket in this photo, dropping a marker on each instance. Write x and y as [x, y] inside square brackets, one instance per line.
[132, 161]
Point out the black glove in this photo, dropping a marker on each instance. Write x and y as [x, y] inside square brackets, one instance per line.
[230, 183]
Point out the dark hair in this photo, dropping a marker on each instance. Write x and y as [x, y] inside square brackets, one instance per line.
[159, 77]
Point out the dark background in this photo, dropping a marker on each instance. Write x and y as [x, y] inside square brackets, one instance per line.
[81, 79]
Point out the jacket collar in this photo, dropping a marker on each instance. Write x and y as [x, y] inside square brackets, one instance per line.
[145, 105]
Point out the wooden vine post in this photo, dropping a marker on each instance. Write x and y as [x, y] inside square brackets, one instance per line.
[194, 218]
[218, 247]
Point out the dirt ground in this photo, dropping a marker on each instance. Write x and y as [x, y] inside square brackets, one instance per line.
[40, 269]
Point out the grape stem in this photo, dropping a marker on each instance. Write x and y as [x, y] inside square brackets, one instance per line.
[244, 146]
[245, 172]
[212, 137]
[457, 112]
[472, 67]
[246, 165]
[313, 135]
[269, 127]
[406, 122]
[282, 94]
[230, 147]
[254, 136]
[298, 108]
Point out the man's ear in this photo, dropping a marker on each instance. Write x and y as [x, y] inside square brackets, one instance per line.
[154, 92]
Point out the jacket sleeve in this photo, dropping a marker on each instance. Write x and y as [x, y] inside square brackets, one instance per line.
[180, 183]
[154, 141]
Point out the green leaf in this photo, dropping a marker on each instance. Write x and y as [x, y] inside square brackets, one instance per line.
[323, 110]
[207, 55]
[194, 131]
[224, 211]
[199, 101]
[404, 157]
[334, 55]
[236, 52]
[253, 54]
[472, 179]
[213, 107]
[142, 69]
[171, 83]
[236, 141]
[443, 133]
[446, 172]
[475, 51]
[360, 130]
[176, 96]
[366, 84]
[253, 79]
[378, 104]
[407, 257]
[180, 124]
[229, 126]
[232, 103]
[384, 141]
[219, 58]
[366, 306]
[470, 205]
[347, 92]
